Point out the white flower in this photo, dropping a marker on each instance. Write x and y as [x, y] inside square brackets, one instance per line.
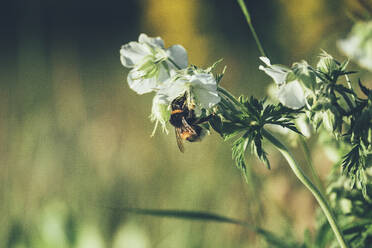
[201, 88]
[160, 112]
[291, 94]
[278, 73]
[152, 64]
[358, 45]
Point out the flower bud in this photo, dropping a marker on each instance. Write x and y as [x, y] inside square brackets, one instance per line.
[304, 74]
[327, 64]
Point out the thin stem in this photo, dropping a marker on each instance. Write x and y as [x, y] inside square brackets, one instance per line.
[306, 181]
[349, 85]
[309, 161]
[228, 95]
[347, 99]
[174, 63]
[249, 21]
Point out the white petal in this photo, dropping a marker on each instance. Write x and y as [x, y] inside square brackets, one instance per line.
[292, 95]
[354, 49]
[358, 45]
[278, 75]
[303, 127]
[204, 78]
[164, 75]
[204, 88]
[277, 72]
[132, 53]
[155, 42]
[160, 112]
[201, 86]
[206, 98]
[141, 85]
[266, 60]
[349, 46]
[366, 63]
[172, 89]
[179, 55]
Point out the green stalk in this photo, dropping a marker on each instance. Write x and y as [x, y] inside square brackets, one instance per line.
[309, 161]
[349, 85]
[249, 21]
[228, 95]
[313, 189]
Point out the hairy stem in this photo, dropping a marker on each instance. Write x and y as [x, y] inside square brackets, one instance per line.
[249, 21]
[313, 189]
[228, 95]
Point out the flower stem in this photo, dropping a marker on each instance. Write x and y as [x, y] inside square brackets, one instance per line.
[249, 21]
[349, 85]
[309, 161]
[174, 63]
[228, 95]
[313, 189]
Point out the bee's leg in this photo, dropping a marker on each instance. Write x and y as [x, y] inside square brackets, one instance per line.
[204, 119]
[187, 126]
[191, 115]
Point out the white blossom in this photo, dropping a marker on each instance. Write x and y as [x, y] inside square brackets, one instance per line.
[278, 73]
[289, 90]
[151, 63]
[292, 95]
[358, 45]
[201, 88]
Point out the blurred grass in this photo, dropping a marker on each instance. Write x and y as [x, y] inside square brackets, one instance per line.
[75, 139]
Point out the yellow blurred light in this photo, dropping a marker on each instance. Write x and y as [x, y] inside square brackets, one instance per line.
[176, 23]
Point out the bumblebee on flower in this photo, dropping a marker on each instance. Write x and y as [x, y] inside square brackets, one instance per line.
[184, 96]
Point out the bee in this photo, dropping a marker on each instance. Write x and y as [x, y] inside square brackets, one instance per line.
[185, 122]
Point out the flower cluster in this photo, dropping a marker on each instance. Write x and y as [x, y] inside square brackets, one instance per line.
[167, 73]
[316, 91]
[290, 93]
[329, 102]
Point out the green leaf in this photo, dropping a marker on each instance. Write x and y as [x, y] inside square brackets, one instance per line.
[216, 123]
[206, 216]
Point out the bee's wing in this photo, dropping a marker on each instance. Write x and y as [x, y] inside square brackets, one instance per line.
[187, 126]
[179, 139]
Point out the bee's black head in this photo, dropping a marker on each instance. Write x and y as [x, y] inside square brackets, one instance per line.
[179, 103]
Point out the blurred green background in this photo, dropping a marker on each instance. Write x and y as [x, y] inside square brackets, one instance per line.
[75, 142]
